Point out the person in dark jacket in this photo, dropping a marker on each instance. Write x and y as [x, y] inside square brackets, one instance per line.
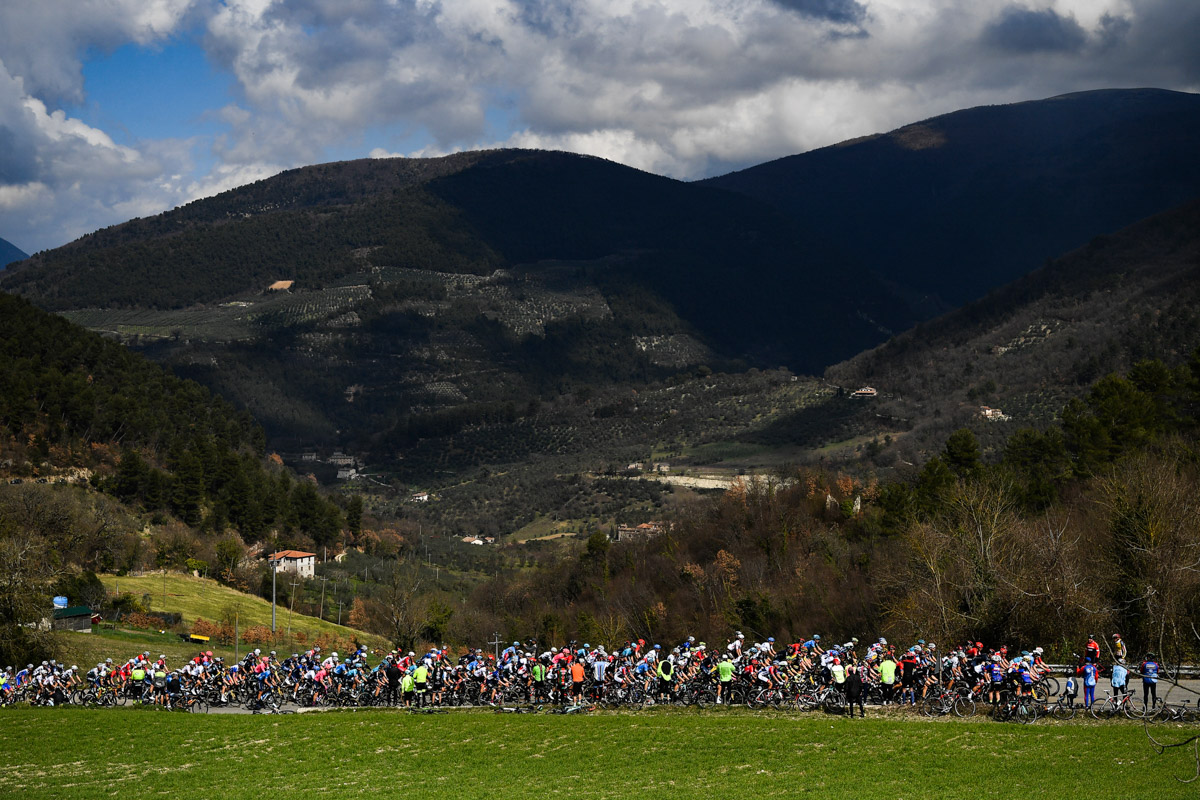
[855, 691]
[393, 674]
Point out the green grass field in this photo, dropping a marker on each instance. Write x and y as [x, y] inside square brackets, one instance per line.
[81, 753]
[202, 597]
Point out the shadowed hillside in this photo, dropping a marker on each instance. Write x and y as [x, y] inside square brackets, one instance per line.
[959, 204]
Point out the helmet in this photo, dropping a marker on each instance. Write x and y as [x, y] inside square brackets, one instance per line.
[258, 652]
[208, 653]
[837, 661]
[770, 638]
[234, 668]
[996, 657]
[1038, 650]
[335, 655]
[658, 647]
[816, 637]
[1116, 636]
[516, 644]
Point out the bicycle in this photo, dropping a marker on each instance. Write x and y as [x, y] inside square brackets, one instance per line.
[1122, 703]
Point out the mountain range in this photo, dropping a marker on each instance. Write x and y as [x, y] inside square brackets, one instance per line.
[489, 307]
[9, 253]
[954, 206]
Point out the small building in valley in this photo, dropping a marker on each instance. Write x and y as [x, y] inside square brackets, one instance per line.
[865, 392]
[295, 561]
[993, 414]
[637, 533]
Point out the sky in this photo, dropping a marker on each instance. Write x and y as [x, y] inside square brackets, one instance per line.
[114, 109]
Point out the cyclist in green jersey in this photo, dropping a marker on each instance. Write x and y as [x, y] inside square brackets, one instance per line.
[724, 670]
[887, 677]
[420, 682]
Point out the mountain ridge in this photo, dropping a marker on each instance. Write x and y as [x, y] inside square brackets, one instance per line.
[958, 204]
[10, 253]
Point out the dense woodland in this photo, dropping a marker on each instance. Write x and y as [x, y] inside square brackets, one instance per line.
[111, 463]
[1086, 526]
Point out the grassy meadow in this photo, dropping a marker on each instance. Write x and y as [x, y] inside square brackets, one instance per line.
[81, 753]
[204, 597]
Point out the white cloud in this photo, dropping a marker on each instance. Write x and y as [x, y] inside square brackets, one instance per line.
[681, 87]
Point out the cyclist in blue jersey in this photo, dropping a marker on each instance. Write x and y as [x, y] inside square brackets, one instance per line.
[1090, 673]
[1149, 670]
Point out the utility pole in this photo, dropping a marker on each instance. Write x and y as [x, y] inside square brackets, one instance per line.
[496, 644]
[274, 570]
[321, 613]
[292, 605]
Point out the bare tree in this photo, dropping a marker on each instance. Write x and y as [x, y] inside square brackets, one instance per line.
[401, 603]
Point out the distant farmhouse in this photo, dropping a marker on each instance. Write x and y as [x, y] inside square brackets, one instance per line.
[638, 533]
[993, 414]
[297, 561]
[280, 286]
[865, 391]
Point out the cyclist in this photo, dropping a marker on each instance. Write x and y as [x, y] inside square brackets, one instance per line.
[666, 678]
[1119, 678]
[1149, 671]
[887, 677]
[724, 670]
[1119, 649]
[996, 679]
[1090, 673]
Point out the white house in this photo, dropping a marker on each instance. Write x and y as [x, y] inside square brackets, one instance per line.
[297, 561]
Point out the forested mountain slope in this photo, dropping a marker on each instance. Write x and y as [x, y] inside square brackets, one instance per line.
[953, 206]
[77, 408]
[718, 260]
[1030, 346]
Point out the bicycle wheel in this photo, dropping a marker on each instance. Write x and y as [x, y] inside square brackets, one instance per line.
[1062, 711]
[1051, 684]
[198, 706]
[1103, 710]
[964, 706]
[1136, 709]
